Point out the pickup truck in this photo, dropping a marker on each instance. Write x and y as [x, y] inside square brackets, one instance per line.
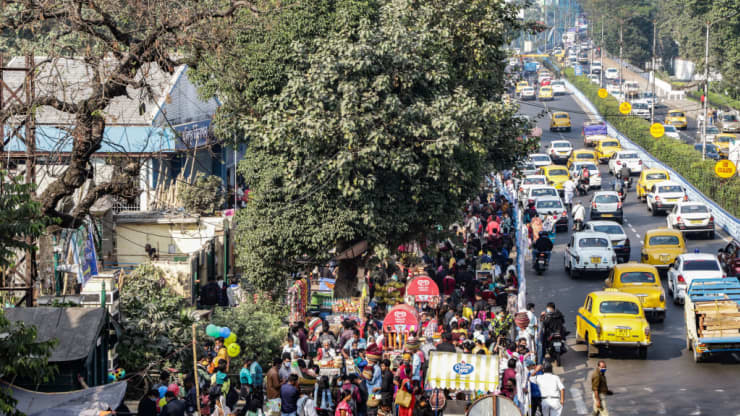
[712, 311]
[591, 130]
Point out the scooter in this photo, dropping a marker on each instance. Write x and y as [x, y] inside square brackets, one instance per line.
[540, 264]
[555, 348]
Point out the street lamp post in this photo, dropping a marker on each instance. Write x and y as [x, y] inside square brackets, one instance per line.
[652, 69]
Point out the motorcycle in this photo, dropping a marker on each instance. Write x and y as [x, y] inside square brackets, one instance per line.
[555, 348]
[540, 264]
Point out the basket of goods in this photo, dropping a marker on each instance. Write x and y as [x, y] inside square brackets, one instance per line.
[521, 320]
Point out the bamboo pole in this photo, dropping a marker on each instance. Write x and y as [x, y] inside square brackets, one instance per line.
[195, 373]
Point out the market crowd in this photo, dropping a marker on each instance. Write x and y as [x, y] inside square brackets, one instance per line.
[351, 369]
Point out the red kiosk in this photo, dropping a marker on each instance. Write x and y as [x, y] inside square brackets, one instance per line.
[400, 322]
[422, 290]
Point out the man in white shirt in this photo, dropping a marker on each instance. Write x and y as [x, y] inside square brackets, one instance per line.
[552, 390]
[579, 214]
[569, 189]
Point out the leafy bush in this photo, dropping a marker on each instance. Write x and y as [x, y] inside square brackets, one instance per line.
[204, 196]
[679, 156]
[259, 329]
[156, 322]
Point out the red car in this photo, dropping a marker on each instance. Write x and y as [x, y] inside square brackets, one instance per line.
[545, 81]
[729, 258]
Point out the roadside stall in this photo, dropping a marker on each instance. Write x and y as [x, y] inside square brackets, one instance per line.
[297, 300]
[466, 376]
[401, 322]
[422, 292]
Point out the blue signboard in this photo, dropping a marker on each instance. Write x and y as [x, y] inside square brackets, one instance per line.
[579, 70]
[193, 135]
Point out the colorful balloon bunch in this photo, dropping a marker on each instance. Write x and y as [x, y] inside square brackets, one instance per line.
[116, 375]
[232, 348]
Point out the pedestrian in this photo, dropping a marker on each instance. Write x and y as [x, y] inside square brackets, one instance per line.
[174, 406]
[600, 390]
[284, 371]
[148, 404]
[362, 388]
[534, 389]
[273, 380]
[289, 395]
[387, 387]
[322, 397]
[569, 189]
[255, 371]
[552, 391]
[344, 408]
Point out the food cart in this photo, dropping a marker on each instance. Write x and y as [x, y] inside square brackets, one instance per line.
[401, 322]
[422, 292]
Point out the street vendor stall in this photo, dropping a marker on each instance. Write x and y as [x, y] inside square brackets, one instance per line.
[421, 292]
[401, 322]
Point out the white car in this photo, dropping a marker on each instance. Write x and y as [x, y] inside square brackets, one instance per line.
[540, 159]
[641, 109]
[531, 180]
[536, 191]
[594, 78]
[630, 86]
[552, 206]
[596, 68]
[625, 157]
[670, 131]
[542, 75]
[663, 196]
[649, 98]
[691, 217]
[528, 93]
[558, 87]
[606, 205]
[688, 267]
[560, 150]
[611, 73]
[620, 241]
[594, 176]
[589, 251]
[613, 89]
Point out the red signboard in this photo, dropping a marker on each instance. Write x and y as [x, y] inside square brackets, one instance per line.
[401, 318]
[422, 288]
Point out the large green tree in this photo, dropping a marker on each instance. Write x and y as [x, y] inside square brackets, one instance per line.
[384, 129]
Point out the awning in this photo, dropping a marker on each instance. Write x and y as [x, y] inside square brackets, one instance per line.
[458, 371]
[401, 318]
[422, 288]
[71, 403]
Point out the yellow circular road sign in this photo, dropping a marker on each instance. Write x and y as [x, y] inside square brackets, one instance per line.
[657, 130]
[725, 169]
[625, 107]
[603, 93]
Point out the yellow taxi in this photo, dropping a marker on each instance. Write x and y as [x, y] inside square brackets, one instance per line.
[724, 142]
[560, 55]
[606, 147]
[676, 118]
[556, 175]
[545, 93]
[661, 246]
[643, 281]
[582, 155]
[520, 85]
[560, 120]
[648, 178]
[610, 318]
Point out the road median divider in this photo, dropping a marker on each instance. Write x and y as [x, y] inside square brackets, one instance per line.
[682, 161]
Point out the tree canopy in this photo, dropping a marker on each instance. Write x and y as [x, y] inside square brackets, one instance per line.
[382, 129]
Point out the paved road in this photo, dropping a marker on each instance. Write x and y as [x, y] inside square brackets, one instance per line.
[668, 382]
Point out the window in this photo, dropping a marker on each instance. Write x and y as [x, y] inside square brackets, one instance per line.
[669, 128]
[729, 117]
[655, 176]
[637, 277]
[694, 209]
[676, 114]
[540, 158]
[663, 240]
[619, 306]
[566, 145]
[671, 188]
[609, 144]
[534, 181]
[609, 229]
[585, 156]
[561, 116]
[629, 156]
[549, 204]
[606, 199]
[558, 172]
[723, 139]
[693, 265]
[593, 242]
[589, 303]
[544, 192]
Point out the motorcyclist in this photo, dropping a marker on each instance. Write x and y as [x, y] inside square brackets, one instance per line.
[579, 214]
[624, 172]
[542, 245]
[553, 322]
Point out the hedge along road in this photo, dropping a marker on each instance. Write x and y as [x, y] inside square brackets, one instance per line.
[668, 382]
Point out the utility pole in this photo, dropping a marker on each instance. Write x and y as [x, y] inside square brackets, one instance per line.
[601, 55]
[621, 42]
[652, 71]
[706, 93]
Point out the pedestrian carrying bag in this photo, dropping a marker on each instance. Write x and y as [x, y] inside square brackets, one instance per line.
[403, 398]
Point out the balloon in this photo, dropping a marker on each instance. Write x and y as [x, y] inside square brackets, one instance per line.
[122, 374]
[233, 350]
[212, 330]
[225, 332]
[162, 390]
[111, 377]
[230, 339]
[174, 388]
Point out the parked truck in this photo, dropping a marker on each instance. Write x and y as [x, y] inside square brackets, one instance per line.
[712, 310]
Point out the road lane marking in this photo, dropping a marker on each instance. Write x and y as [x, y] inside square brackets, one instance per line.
[661, 408]
[581, 408]
[696, 412]
[648, 389]
[735, 356]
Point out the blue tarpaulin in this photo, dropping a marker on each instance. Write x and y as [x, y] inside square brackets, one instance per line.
[128, 139]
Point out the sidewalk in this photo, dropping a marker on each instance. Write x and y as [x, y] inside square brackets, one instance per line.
[691, 108]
